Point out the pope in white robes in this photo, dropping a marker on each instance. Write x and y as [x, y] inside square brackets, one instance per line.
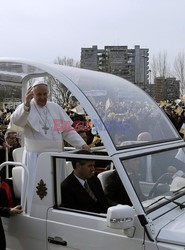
[37, 117]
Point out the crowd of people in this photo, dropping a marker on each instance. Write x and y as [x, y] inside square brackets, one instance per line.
[175, 110]
[136, 116]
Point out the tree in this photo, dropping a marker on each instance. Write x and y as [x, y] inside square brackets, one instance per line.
[8, 91]
[61, 94]
[58, 92]
[160, 66]
[179, 67]
[67, 61]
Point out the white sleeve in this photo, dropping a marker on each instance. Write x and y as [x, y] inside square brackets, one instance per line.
[19, 116]
[73, 138]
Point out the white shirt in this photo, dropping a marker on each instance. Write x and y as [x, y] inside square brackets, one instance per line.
[82, 182]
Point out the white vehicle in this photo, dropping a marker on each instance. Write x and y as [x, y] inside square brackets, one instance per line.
[120, 111]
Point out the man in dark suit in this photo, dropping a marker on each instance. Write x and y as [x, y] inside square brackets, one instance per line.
[82, 190]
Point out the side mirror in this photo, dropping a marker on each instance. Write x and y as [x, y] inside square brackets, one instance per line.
[120, 217]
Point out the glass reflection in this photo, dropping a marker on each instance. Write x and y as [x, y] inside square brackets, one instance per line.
[157, 175]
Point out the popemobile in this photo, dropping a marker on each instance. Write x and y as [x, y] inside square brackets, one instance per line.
[137, 137]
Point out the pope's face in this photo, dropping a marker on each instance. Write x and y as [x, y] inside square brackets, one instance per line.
[40, 95]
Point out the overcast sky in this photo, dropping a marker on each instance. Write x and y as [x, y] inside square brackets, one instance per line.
[44, 29]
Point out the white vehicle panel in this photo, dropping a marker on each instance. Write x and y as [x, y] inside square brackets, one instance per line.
[87, 232]
[173, 232]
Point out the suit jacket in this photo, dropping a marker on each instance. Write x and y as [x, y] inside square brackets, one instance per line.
[75, 196]
[5, 212]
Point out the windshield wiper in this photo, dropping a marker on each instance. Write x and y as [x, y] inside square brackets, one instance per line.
[156, 201]
[180, 205]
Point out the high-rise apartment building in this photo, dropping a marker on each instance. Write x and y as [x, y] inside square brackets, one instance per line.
[131, 64]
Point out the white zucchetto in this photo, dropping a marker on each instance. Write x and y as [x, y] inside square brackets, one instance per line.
[39, 81]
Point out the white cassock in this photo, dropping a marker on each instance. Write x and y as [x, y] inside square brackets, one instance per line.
[42, 135]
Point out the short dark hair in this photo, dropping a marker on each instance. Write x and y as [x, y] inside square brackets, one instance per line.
[81, 161]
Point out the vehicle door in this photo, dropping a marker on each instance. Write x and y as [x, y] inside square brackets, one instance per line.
[75, 229]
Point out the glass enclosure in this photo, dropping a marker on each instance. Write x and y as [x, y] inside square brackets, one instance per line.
[125, 110]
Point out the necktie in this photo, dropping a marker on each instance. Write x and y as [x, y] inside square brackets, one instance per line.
[87, 188]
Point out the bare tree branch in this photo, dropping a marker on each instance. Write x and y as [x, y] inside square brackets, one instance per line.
[61, 95]
[67, 61]
[179, 67]
[160, 66]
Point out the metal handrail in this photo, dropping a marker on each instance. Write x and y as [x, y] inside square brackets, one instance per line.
[12, 163]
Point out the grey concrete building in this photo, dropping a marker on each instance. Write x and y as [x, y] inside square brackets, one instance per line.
[131, 64]
[166, 88]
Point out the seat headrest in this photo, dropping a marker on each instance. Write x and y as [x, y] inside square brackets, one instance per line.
[17, 154]
[103, 177]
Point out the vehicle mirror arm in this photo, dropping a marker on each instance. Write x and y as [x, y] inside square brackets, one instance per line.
[144, 224]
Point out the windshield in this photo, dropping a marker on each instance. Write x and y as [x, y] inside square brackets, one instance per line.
[157, 177]
[125, 109]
